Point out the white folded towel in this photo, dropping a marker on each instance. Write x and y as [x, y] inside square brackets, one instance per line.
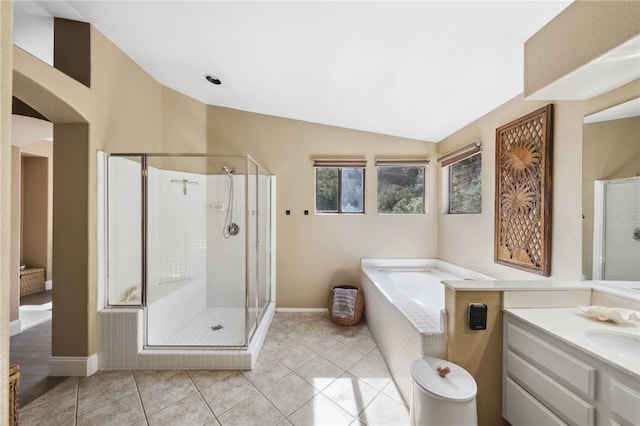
[344, 302]
[133, 294]
[617, 315]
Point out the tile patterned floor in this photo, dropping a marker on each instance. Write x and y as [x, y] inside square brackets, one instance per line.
[310, 372]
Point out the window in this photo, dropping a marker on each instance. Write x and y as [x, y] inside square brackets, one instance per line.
[339, 189]
[401, 187]
[465, 186]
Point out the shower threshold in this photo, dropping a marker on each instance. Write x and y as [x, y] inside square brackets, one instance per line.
[129, 352]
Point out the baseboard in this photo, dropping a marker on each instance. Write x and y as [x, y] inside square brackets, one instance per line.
[73, 365]
[48, 285]
[15, 327]
[301, 310]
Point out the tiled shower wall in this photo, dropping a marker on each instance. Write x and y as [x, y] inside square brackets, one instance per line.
[176, 229]
[226, 256]
[185, 238]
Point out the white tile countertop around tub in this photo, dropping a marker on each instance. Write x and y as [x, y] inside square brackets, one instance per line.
[628, 290]
[570, 325]
[508, 285]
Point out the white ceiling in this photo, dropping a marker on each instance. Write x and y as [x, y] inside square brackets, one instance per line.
[28, 130]
[419, 70]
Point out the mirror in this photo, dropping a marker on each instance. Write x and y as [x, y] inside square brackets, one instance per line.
[611, 156]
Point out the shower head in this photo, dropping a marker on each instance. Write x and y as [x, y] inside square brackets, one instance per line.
[227, 171]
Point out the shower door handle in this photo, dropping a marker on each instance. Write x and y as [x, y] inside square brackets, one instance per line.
[636, 234]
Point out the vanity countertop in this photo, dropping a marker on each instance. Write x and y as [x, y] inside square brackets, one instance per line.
[571, 325]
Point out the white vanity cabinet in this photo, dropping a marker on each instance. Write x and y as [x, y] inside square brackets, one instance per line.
[547, 381]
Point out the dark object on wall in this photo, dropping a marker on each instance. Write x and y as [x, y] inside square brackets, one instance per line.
[477, 316]
[72, 49]
[358, 311]
[523, 192]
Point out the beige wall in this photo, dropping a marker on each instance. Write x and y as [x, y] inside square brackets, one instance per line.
[72, 329]
[478, 351]
[16, 183]
[183, 126]
[315, 252]
[6, 41]
[44, 149]
[467, 240]
[610, 150]
[34, 209]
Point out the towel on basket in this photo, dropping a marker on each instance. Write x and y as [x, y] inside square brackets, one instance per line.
[344, 302]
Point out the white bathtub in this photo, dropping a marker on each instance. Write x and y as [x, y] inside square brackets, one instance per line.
[404, 308]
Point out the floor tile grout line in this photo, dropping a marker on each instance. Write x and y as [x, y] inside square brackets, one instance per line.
[270, 402]
[208, 407]
[199, 391]
[75, 418]
[144, 410]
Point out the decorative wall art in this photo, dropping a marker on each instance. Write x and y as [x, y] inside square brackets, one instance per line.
[523, 192]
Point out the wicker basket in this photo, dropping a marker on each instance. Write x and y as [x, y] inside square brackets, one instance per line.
[31, 281]
[14, 382]
[358, 311]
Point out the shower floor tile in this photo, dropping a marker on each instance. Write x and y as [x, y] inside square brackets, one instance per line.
[321, 390]
[229, 324]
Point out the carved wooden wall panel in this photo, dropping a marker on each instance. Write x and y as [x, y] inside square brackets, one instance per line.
[523, 192]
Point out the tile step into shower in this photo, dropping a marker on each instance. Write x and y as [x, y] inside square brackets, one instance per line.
[127, 351]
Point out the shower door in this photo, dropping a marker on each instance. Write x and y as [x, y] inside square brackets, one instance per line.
[176, 251]
[617, 230]
[258, 243]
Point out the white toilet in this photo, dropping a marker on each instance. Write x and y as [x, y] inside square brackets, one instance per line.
[448, 400]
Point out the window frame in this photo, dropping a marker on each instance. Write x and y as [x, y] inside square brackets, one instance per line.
[340, 166]
[447, 187]
[406, 164]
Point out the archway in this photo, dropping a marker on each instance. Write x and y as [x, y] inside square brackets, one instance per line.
[73, 338]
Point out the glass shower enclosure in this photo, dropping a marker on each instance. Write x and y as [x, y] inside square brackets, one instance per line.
[189, 239]
[616, 237]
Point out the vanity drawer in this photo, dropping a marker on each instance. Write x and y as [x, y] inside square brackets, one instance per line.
[521, 409]
[567, 369]
[562, 401]
[625, 403]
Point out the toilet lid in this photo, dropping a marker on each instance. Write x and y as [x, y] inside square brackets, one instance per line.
[458, 385]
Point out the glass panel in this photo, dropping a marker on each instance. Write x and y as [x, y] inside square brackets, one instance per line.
[352, 199]
[264, 241]
[226, 243]
[622, 204]
[465, 185]
[252, 252]
[124, 236]
[327, 189]
[176, 248]
[401, 189]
